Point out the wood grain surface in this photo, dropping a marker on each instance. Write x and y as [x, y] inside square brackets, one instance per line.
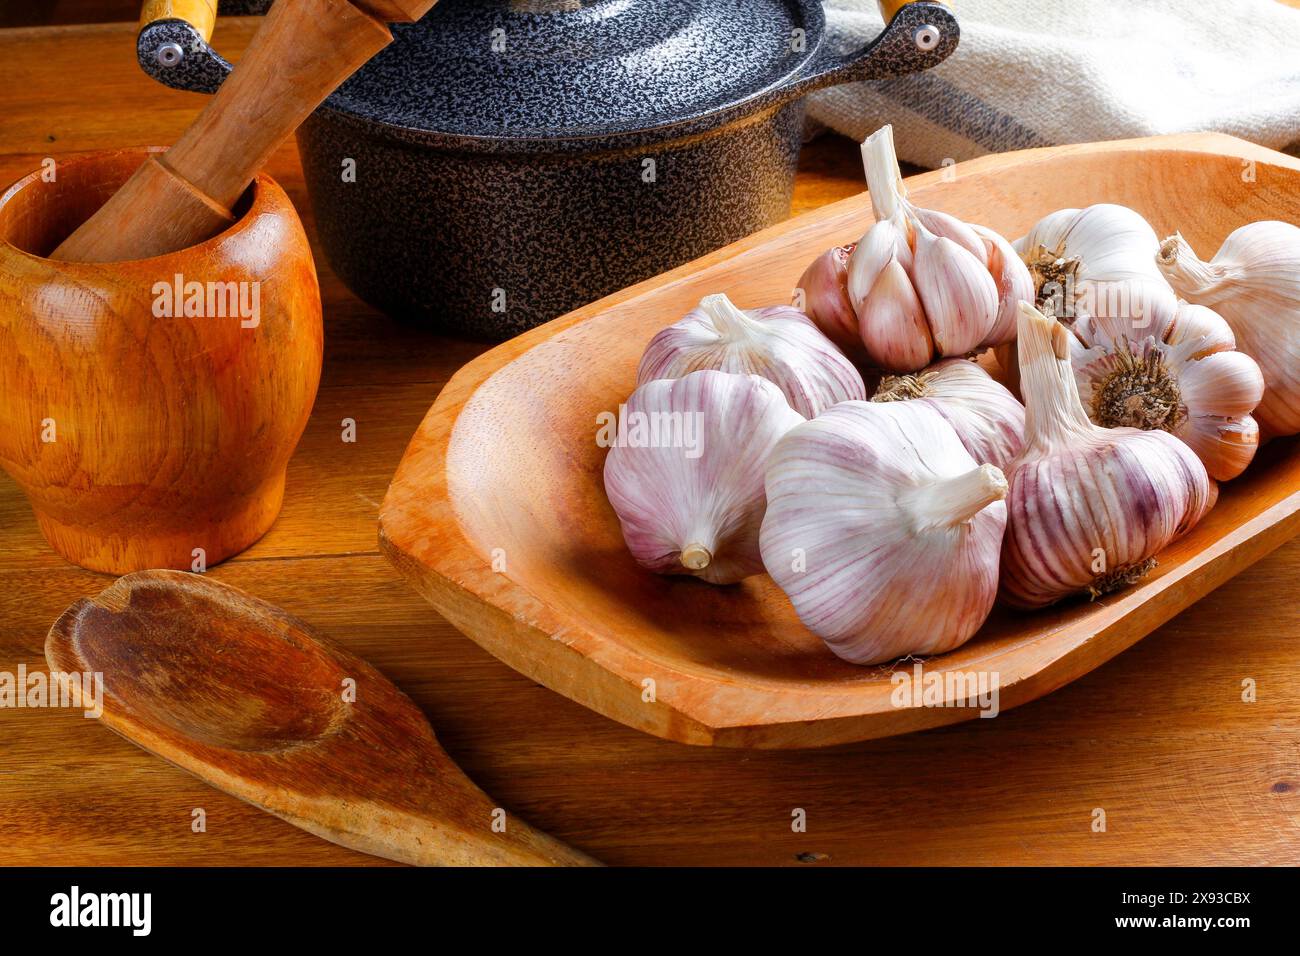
[1159, 738]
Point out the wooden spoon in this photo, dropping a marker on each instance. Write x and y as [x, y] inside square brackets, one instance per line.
[302, 51]
[244, 696]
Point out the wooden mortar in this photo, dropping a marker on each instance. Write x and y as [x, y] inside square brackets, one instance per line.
[139, 436]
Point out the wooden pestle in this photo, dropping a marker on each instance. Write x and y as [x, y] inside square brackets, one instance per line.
[301, 53]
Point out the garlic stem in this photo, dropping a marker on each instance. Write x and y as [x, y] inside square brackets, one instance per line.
[1054, 414]
[696, 557]
[1185, 271]
[950, 502]
[884, 178]
[731, 321]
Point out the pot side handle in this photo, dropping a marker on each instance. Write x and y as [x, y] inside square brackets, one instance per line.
[917, 36]
[172, 45]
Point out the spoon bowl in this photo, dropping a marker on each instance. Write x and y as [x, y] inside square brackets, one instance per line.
[244, 696]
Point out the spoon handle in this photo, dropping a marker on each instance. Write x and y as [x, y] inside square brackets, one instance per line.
[436, 839]
[301, 53]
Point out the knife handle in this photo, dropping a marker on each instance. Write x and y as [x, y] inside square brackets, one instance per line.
[888, 8]
[200, 14]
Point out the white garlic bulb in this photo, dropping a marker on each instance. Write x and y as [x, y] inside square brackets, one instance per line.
[1097, 261]
[779, 343]
[921, 284]
[1179, 373]
[987, 418]
[883, 531]
[1253, 281]
[1089, 507]
[685, 473]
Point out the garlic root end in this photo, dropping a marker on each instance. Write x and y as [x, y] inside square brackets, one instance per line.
[1120, 578]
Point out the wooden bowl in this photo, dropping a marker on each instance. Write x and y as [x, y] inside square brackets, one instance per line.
[498, 516]
[140, 438]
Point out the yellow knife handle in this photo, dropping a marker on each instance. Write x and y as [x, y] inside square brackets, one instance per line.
[890, 7]
[200, 14]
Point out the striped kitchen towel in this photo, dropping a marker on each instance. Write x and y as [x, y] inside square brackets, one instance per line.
[1045, 72]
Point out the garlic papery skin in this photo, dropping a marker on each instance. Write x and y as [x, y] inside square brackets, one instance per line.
[1185, 379]
[883, 531]
[986, 417]
[1253, 281]
[823, 295]
[685, 472]
[1015, 285]
[923, 284]
[779, 343]
[1089, 507]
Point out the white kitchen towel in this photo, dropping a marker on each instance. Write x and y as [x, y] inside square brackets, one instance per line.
[1046, 72]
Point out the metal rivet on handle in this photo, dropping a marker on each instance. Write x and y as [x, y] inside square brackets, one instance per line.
[927, 37]
[169, 54]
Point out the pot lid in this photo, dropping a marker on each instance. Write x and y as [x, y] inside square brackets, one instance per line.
[565, 69]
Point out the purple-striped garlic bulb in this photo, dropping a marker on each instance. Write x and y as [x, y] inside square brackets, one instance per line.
[883, 531]
[1253, 281]
[685, 472]
[779, 343]
[1178, 372]
[987, 418]
[1089, 507]
[921, 284]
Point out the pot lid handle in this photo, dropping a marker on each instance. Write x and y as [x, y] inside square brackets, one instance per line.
[918, 35]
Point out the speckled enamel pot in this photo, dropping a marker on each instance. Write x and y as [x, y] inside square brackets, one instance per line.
[505, 161]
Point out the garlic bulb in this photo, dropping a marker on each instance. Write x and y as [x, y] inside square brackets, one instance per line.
[779, 343]
[1253, 281]
[1089, 507]
[922, 284]
[883, 531]
[1180, 374]
[987, 418]
[1097, 261]
[685, 473]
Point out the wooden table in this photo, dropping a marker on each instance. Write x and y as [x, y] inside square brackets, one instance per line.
[1160, 738]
